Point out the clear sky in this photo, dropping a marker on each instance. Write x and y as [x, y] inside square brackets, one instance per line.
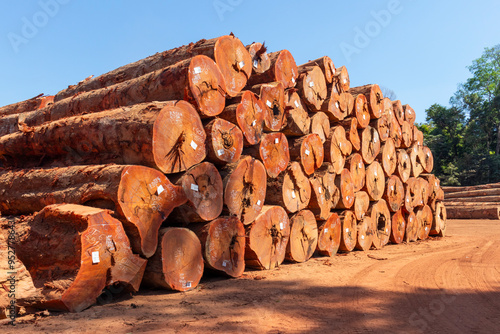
[418, 48]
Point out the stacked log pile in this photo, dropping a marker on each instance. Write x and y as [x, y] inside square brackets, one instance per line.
[473, 202]
[209, 157]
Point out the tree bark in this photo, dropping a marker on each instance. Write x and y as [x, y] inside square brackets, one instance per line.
[320, 125]
[303, 237]
[343, 182]
[375, 181]
[349, 231]
[267, 238]
[374, 97]
[370, 144]
[311, 85]
[394, 193]
[224, 142]
[298, 122]
[273, 96]
[398, 227]
[354, 163]
[260, 58]
[178, 261]
[35, 103]
[308, 150]
[326, 65]
[283, 69]
[329, 235]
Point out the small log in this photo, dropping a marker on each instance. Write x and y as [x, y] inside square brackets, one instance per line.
[415, 158]
[178, 261]
[260, 58]
[35, 103]
[298, 122]
[361, 111]
[410, 114]
[398, 227]
[267, 238]
[273, 96]
[224, 142]
[388, 157]
[398, 111]
[303, 237]
[374, 97]
[349, 231]
[394, 193]
[320, 125]
[351, 132]
[365, 234]
[439, 221]
[424, 218]
[329, 235]
[403, 169]
[344, 183]
[407, 134]
[354, 163]
[324, 194]
[283, 69]
[290, 190]
[248, 114]
[427, 159]
[311, 85]
[223, 245]
[308, 150]
[244, 185]
[361, 204]
[412, 227]
[473, 213]
[453, 189]
[274, 153]
[370, 144]
[381, 216]
[326, 65]
[341, 81]
[375, 181]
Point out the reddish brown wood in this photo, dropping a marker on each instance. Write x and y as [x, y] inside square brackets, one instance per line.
[290, 190]
[333, 149]
[365, 233]
[311, 85]
[260, 58]
[329, 235]
[473, 213]
[394, 193]
[388, 157]
[410, 114]
[354, 163]
[224, 141]
[303, 237]
[35, 103]
[298, 122]
[412, 196]
[398, 227]
[349, 231]
[351, 128]
[418, 136]
[396, 133]
[331, 107]
[370, 144]
[403, 169]
[426, 159]
[422, 187]
[273, 96]
[361, 204]
[274, 153]
[344, 183]
[178, 261]
[407, 134]
[361, 111]
[383, 126]
[341, 81]
[320, 125]
[398, 111]
[244, 185]
[326, 65]
[375, 181]
[412, 227]
[324, 194]
[381, 217]
[308, 150]
[474, 193]
[267, 238]
[283, 69]
[415, 158]
[439, 220]
[374, 97]
[223, 245]
[452, 189]
[424, 218]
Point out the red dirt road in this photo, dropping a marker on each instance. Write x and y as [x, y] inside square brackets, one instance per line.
[448, 285]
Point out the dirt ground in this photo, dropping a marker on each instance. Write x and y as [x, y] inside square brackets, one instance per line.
[442, 285]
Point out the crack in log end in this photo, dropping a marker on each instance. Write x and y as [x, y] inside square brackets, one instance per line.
[275, 235]
[176, 153]
[246, 194]
[227, 138]
[206, 88]
[379, 98]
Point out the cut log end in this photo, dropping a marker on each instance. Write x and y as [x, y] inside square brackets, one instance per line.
[329, 235]
[303, 237]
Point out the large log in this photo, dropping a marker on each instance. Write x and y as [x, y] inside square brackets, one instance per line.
[491, 200]
[298, 122]
[396, 133]
[354, 163]
[224, 141]
[341, 81]
[403, 169]
[453, 189]
[320, 125]
[343, 182]
[244, 185]
[410, 114]
[178, 261]
[370, 144]
[473, 193]
[473, 213]
[439, 221]
[141, 197]
[412, 195]
[331, 107]
[303, 237]
[415, 158]
[168, 136]
[381, 217]
[383, 126]
[361, 204]
[273, 96]
[273, 151]
[398, 111]
[375, 181]
[72, 253]
[260, 58]
[361, 111]
[412, 227]
[398, 227]
[427, 159]
[35, 103]
[424, 218]
[223, 245]
[374, 97]
[349, 231]
[283, 69]
[267, 238]
[324, 194]
[311, 85]
[394, 193]
[406, 134]
[351, 128]
[326, 65]
[365, 233]
[388, 157]
[308, 150]
[329, 235]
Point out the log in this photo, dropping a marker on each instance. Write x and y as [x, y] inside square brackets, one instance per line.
[244, 185]
[311, 85]
[370, 144]
[320, 125]
[224, 143]
[415, 158]
[473, 200]
[403, 169]
[388, 157]
[354, 163]
[412, 196]
[474, 193]
[35, 103]
[351, 132]
[343, 182]
[178, 261]
[361, 111]
[142, 198]
[283, 69]
[324, 194]
[410, 114]
[398, 227]
[422, 187]
[326, 65]
[96, 254]
[349, 231]
[167, 136]
[308, 150]
[273, 96]
[470, 204]
[398, 111]
[333, 149]
[331, 107]
[361, 204]
[365, 234]
[396, 133]
[427, 159]
[383, 126]
[374, 97]
[412, 227]
[303, 237]
[273, 152]
[418, 136]
[223, 245]
[375, 181]
[341, 81]
[202, 185]
[439, 220]
[248, 113]
[329, 235]
[260, 58]
[406, 134]
[381, 216]
[290, 190]
[346, 103]
[453, 189]
[473, 213]
[424, 218]
[267, 238]
[298, 122]
[394, 193]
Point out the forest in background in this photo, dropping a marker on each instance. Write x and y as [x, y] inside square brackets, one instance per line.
[465, 137]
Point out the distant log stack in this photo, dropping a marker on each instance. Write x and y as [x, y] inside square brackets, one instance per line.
[473, 202]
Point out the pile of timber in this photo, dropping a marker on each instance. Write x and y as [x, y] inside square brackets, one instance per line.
[473, 202]
[209, 157]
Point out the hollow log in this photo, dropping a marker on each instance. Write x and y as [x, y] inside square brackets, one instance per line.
[354, 163]
[398, 111]
[244, 185]
[439, 220]
[341, 81]
[248, 114]
[370, 144]
[473, 213]
[290, 190]
[381, 216]
[361, 111]
[96, 254]
[273, 96]
[141, 197]
[260, 58]
[178, 261]
[375, 181]
[394, 193]
[364, 233]
[326, 65]
[303, 237]
[351, 131]
[298, 122]
[35, 103]
[223, 245]
[343, 182]
[267, 238]
[324, 194]
[406, 134]
[398, 227]
[224, 143]
[320, 125]
[403, 169]
[308, 150]
[329, 235]
[424, 218]
[412, 227]
[349, 231]
[374, 97]
[283, 69]
[361, 204]
[311, 85]
[410, 114]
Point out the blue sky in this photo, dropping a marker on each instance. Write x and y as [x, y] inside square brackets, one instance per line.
[419, 49]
